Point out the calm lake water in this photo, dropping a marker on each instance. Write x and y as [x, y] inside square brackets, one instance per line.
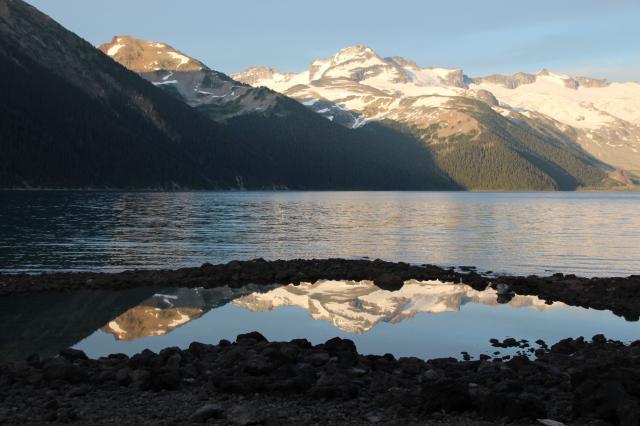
[424, 319]
[582, 233]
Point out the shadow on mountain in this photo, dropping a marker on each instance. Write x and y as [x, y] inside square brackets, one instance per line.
[310, 151]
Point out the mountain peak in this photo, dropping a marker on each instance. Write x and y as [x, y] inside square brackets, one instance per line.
[148, 56]
[359, 51]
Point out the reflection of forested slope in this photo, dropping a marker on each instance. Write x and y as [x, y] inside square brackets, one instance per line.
[48, 322]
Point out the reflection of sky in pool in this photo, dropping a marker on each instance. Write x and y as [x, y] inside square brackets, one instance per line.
[424, 319]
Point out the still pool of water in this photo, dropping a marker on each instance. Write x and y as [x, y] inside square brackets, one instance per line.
[423, 319]
[582, 233]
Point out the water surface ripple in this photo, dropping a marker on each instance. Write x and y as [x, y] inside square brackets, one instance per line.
[582, 233]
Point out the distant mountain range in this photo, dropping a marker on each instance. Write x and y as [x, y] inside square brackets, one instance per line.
[602, 118]
[71, 117]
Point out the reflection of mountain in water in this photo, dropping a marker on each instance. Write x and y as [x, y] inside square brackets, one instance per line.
[166, 311]
[45, 323]
[358, 306]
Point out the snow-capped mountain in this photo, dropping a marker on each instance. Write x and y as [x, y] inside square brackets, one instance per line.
[187, 78]
[147, 56]
[358, 306]
[603, 118]
[301, 150]
[462, 135]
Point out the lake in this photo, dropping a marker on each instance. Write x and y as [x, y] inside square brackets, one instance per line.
[592, 234]
[518, 233]
[425, 319]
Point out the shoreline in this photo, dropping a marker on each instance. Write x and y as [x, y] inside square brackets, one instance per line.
[621, 295]
[253, 381]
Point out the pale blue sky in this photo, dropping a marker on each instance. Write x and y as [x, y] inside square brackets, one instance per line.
[599, 38]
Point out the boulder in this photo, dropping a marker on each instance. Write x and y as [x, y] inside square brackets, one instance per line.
[204, 413]
[388, 281]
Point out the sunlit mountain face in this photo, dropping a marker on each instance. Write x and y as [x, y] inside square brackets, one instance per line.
[445, 105]
[351, 306]
[480, 132]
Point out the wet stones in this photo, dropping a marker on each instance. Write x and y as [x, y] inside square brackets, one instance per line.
[204, 413]
[250, 338]
[60, 370]
[621, 295]
[445, 395]
[73, 355]
[596, 383]
[388, 281]
[344, 349]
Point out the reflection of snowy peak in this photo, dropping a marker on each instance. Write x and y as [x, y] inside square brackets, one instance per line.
[358, 306]
[603, 118]
[143, 321]
[164, 312]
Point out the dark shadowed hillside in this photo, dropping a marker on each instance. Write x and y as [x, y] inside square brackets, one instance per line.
[73, 118]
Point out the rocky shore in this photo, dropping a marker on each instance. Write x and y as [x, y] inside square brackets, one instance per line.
[618, 294]
[253, 381]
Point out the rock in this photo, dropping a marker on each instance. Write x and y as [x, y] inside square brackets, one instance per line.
[143, 359]
[301, 343]
[34, 377]
[52, 404]
[503, 289]
[59, 370]
[73, 354]
[344, 349]
[565, 346]
[628, 412]
[288, 352]
[549, 422]
[173, 362]
[212, 410]
[389, 281]
[446, 394]
[509, 342]
[123, 376]
[430, 376]
[489, 98]
[141, 379]
[336, 385]
[197, 348]
[374, 418]
[77, 391]
[317, 359]
[258, 366]
[168, 380]
[245, 414]
[250, 338]
[497, 405]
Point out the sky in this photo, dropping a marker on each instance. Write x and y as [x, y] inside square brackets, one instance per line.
[596, 38]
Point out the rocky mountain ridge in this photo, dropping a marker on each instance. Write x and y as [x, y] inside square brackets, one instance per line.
[601, 118]
[364, 91]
